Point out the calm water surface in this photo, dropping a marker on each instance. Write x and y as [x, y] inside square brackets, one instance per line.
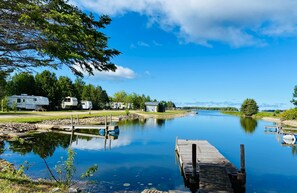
[143, 154]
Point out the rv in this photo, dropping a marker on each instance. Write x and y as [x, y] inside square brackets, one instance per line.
[86, 105]
[69, 103]
[28, 102]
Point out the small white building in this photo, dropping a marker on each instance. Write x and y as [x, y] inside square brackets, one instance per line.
[151, 106]
[29, 102]
[69, 103]
[87, 105]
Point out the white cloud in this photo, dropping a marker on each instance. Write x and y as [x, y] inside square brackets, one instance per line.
[120, 74]
[235, 22]
[98, 144]
[142, 44]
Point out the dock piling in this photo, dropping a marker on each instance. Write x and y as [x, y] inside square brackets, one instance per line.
[241, 176]
[242, 159]
[194, 161]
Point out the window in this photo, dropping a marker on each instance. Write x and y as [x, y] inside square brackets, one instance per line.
[24, 100]
[35, 99]
[18, 100]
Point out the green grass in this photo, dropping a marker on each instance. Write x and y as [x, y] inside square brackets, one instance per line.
[235, 113]
[14, 181]
[42, 116]
[258, 115]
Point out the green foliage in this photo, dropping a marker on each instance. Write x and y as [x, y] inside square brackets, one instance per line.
[3, 76]
[14, 106]
[22, 83]
[4, 104]
[249, 107]
[290, 114]
[47, 85]
[127, 112]
[66, 86]
[38, 33]
[66, 170]
[294, 99]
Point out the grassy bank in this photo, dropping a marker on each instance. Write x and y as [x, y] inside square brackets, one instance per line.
[259, 115]
[14, 181]
[36, 117]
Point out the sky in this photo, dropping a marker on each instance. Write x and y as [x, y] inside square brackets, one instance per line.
[201, 53]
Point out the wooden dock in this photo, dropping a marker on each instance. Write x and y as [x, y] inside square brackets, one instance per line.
[205, 168]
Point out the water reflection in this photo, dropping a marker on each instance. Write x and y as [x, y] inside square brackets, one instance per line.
[43, 145]
[149, 122]
[248, 124]
[2, 146]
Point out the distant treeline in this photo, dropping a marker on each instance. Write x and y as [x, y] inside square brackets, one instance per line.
[211, 108]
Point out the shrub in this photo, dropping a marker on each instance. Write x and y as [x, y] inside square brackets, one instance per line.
[249, 107]
[290, 114]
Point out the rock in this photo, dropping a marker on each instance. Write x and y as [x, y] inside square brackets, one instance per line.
[55, 190]
[73, 190]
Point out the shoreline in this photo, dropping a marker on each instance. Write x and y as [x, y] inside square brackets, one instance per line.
[291, 123]
[15, 129]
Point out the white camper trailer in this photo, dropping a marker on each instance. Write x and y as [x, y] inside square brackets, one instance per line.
[29, 102]
[69, 103]
[86, 105]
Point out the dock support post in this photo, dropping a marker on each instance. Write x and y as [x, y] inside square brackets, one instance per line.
[72, 122]
[194, 161]
[241, 174]
[242, 159]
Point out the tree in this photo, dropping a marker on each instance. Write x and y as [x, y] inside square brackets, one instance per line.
[294, 99]
[249, 107]
[52, 33]
[78, 88]
[2, 84]
[119, 96]
[22, 83]
[66, 86]
[47, 85]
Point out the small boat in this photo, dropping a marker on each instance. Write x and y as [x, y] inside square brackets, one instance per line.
[289, 139]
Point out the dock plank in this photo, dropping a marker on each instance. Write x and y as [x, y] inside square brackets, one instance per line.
[213, 168]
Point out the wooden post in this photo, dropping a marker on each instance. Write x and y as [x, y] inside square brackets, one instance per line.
[241, 176]
[105, 121]
[194, 161]
[71, 121]
[242, 159]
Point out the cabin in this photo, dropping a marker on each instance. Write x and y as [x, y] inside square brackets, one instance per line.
[29, 102]
[154, 107]
[86, 105]
[69, 103]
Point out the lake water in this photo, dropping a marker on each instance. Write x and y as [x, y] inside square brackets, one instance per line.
[143, 155]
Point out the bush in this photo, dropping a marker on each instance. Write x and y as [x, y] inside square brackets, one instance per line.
[249, 107]
[290, 114]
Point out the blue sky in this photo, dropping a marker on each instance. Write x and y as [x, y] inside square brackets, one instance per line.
[214, 53]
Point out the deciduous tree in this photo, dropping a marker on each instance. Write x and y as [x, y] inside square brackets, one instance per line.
[294, 99]
[52, 33]
[249, 107]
